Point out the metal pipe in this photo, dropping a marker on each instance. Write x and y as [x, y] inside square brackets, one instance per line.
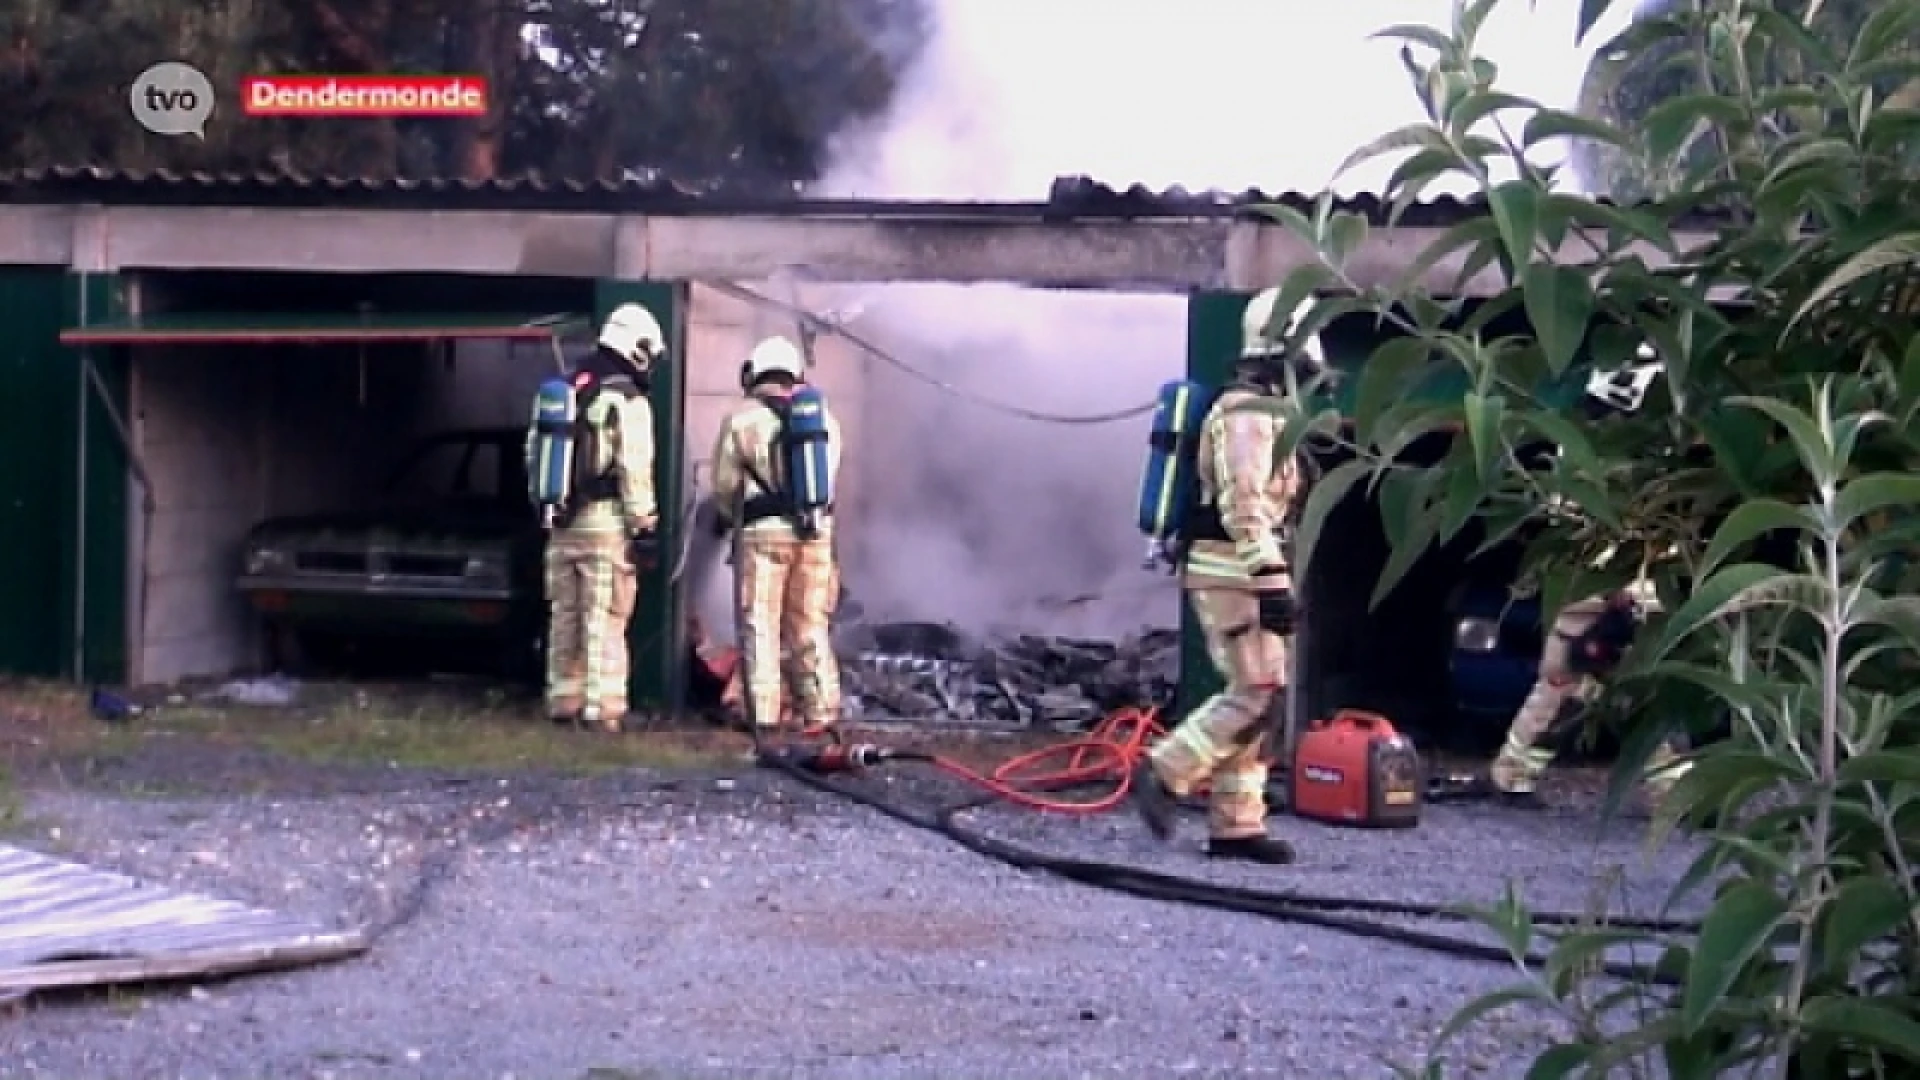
[80, 510]
[149, 502]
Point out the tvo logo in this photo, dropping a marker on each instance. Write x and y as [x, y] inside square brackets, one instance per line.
[172, 98]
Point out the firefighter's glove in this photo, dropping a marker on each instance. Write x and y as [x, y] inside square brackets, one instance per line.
[1277, 612]
[644, 549]
[1598, 649]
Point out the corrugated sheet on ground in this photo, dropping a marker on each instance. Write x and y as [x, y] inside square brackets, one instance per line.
[65, 925]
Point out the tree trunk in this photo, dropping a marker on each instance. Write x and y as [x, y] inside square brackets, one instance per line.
[360, 37]
[489, 33]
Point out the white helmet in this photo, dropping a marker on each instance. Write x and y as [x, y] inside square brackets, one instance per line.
[634, 334]
[1626, 388]
[774, 354]
[1261, 338]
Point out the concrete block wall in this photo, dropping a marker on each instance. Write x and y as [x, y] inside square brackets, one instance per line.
[233, 435]
[198, 419]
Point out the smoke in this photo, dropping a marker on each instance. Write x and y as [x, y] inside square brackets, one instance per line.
[988, 520]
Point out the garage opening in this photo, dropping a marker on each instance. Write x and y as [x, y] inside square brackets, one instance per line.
[1446, 655]
[995, 439]
[363, 429]
[1450, 653]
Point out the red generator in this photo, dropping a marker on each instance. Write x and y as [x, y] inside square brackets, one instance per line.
[1355, 769]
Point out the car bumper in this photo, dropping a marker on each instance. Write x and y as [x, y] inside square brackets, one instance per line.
[411, 607]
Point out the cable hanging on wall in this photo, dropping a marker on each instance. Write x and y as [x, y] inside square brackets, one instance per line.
[816, 324]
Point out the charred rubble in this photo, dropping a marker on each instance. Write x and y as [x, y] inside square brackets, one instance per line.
[933, 673]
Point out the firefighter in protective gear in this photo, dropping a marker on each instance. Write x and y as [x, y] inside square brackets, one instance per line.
[1570, 669]
[1567, 677]
[786, 580]
[1236, 576]
[591, 571]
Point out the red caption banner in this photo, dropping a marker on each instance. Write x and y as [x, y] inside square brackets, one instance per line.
[363, 95]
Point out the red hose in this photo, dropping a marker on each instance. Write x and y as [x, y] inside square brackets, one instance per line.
[1107, 754]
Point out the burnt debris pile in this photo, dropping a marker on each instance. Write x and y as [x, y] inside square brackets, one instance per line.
[927, 672]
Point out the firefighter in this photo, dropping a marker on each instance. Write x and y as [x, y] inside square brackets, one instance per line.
[1585, 642]
[786, 581]
[593, 553]
[1237, 579]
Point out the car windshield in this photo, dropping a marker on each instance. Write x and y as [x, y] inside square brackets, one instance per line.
[458, 470]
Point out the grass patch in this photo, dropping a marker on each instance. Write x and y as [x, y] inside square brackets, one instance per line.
[437, 737]
[13, 809]
[47, 731]
[187, 744]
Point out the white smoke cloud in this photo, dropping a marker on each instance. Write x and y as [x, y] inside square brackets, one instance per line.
[988, 520]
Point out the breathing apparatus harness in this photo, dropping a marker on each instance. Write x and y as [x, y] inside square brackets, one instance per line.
[775, 499]
[793, 458]
[774, 496]
[1268, 377]
[565, 446]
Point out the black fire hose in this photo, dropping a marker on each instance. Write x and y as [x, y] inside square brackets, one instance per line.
[1293, 907]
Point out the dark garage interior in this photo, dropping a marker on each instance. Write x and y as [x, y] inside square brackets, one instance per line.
[258, 396]
[1394, 658]
[1397, 659]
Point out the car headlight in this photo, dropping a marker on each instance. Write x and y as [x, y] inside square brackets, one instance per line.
[268, 560]
[489, 568]
[1477, 635]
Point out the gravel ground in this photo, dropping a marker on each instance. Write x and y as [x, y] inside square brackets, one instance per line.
[639, 926]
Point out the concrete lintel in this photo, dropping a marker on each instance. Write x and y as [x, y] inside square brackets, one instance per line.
[1177, 255]
[1146, 255]
[1262, 255]
[357, 241]
[36, 235]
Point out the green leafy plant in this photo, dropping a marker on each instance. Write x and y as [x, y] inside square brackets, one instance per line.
[1766, 485]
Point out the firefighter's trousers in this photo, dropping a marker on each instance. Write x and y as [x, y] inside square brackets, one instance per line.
[1222, 741]
[591, 589]
[785, 589]
[1527, 753]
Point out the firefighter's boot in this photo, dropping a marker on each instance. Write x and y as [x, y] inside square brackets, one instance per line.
[1486, 786]
[1521, 800]
[1152, 801]
[1267, 850]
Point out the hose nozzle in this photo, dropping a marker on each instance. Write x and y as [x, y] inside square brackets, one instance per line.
[831, 759]
[838, 759]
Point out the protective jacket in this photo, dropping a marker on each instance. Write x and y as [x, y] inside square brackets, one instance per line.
[1248, 487]
[748, 472]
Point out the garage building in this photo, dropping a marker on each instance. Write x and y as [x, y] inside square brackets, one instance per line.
[286, 338]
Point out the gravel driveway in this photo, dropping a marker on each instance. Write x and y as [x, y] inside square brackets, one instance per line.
[706, 926]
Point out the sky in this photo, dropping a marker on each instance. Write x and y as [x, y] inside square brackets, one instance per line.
[987, 521]
[1204, 93]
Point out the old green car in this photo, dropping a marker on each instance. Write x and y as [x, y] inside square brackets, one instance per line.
[443, 571]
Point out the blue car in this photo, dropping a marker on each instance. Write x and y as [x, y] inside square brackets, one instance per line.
[1496, 653]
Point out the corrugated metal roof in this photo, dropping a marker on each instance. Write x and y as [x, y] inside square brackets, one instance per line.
[648, 191]
[640, 192]
[1096, 199]
[65, 924]
[90, 183]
